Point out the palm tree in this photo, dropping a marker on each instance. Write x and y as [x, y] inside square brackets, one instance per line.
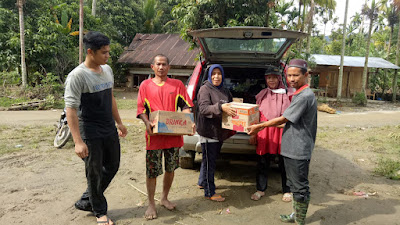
[270, 5]
[396, 4]
[20, 5]
[327, 15]
[283, 9]
[328, 4]
[94, 7]
[149, 10]
[339, 90]
[372, 14]
[80, 31]
[392, 18]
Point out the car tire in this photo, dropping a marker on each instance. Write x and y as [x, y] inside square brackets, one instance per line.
[186, 159]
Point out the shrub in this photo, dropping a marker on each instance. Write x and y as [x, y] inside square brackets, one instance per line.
[360, 99]
[388, 168]
[10, 78]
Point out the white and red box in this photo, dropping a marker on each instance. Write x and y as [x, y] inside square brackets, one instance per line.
[172, 123]
[246, 115]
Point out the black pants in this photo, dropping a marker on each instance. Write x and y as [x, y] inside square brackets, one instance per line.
[297, 178]
[101, 166]
[262, 172]
[211, 151]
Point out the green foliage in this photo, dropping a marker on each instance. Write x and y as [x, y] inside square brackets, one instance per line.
[51, 49]
[7, 102]
[9, 40]
[360, 99]
[10, 78]
[192, 15]
[119, 19]
[389, 168]
[149, 10]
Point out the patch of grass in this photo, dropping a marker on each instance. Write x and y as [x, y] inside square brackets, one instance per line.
[371, 139]
[389, 168]
[126, 103]
[7, 148]
[7, 102]
[29, 137]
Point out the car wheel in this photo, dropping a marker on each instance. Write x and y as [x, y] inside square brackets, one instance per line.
[186, 159]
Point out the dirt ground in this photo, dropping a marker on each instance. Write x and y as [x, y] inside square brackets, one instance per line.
[40, 185]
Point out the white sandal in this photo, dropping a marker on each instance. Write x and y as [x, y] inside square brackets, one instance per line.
[287, 197]
[257, 195]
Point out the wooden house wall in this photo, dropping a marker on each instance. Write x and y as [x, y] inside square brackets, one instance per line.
[329, 76]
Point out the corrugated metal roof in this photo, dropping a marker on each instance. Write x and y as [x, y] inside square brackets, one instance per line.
[145, 46]
[353, 61]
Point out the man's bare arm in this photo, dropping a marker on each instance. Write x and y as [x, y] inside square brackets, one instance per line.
[122, 131]
[254, 129]
[80, 147]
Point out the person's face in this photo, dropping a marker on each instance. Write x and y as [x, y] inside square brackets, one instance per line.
[216, 77]
[100, 56]
[296, 78]
[272, 81]
[160, 66]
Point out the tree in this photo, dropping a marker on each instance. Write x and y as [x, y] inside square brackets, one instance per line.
[20, 5]
[270, 5]
[339, 91]
[372, 14]
[80, 31]
[94, 3]
[149, 9]
[326, 4]
[396, 4]
[282, 10]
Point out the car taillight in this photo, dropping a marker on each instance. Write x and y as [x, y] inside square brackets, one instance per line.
[194, 79]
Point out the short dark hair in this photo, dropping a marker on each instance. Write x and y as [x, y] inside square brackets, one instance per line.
[303, 70]
[95, 40]
[160, 55]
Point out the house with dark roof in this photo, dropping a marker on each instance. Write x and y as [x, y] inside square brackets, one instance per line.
[144, 47]
[327, 71]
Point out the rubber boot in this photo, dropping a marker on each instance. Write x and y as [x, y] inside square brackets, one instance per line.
[300, 209]
[289, 218]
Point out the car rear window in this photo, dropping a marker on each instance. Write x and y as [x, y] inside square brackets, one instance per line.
[245, 45]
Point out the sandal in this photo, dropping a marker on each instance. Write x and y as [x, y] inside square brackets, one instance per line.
[106, 221]
[257, 195]
[287, 197]
[216, 197]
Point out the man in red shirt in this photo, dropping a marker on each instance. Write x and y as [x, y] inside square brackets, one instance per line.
[161, 93]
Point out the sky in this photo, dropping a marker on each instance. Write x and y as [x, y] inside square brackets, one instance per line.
[354, 6]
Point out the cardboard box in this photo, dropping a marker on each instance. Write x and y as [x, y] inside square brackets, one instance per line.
[172, 123]
[237, 100]
[246, 115]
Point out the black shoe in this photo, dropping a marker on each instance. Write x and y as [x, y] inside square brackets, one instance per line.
[83, 205]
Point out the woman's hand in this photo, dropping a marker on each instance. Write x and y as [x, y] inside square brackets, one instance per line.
[226, 107]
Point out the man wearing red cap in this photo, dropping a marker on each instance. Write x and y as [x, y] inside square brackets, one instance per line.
[298, 138]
